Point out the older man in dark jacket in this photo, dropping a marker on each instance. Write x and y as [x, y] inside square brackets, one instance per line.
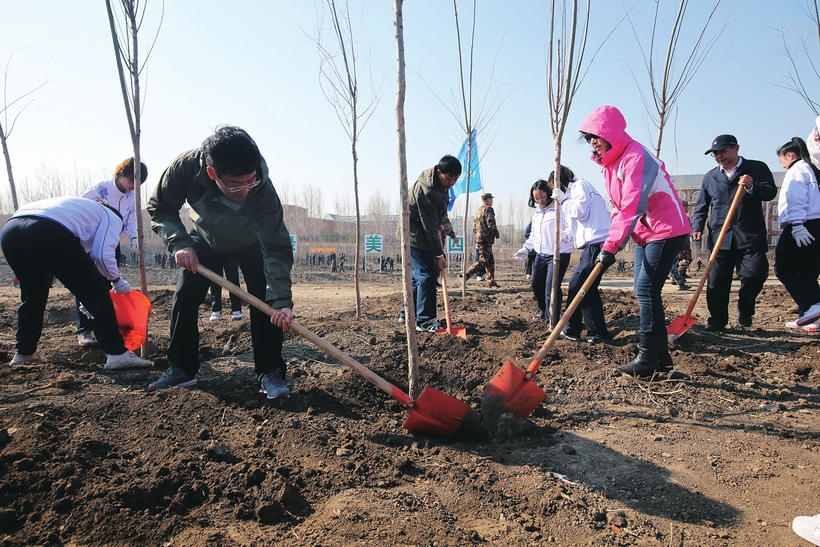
[428, 207]
[745, 244]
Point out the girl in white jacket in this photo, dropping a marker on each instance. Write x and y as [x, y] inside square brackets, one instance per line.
[797, 256]
[542, 241]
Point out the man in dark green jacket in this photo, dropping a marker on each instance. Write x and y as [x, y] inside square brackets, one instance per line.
[428, 207]
[236, 214]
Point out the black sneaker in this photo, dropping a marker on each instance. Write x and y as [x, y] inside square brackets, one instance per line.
[712, 328]
[600, 339]
[568, 336]
[745, 320]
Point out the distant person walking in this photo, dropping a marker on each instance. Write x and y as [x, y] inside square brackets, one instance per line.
[486, 233]
[231, 269]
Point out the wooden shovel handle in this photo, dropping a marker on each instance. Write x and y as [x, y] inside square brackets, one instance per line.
[447, 315]
[713, 256]
[556, 331]
[314, 339]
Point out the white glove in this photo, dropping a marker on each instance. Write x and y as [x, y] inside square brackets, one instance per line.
[121, 286]
[801, 236]
[134, 246]
[521, 253]
[566, 236]
[558, 195]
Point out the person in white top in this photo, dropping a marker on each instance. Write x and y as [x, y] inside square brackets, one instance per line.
[72, 239]
[117, 193]
[589, 222]
[813, 143]
[797, 256]
[542, 241]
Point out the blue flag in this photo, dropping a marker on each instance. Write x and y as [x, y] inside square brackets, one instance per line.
[460, 187]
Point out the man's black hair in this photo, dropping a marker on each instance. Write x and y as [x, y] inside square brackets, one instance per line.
[230, 150]
[449, 165]
[107, 206]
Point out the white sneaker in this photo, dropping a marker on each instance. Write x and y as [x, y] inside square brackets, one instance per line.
[35, 357]
[811, 327]
[216, 316]
[236, 316]
[807, 528]
[812, 314]
[85, 339]
[127, 360]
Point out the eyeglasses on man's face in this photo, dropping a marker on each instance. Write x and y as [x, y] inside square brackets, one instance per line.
[234, 188]
[717, 153]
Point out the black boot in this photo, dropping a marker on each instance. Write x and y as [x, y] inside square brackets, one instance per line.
[646, 362]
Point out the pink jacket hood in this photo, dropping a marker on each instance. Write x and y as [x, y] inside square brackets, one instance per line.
[646, 206]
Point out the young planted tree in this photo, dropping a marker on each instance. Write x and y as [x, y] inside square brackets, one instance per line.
[665, 84]
[125, 26]
[404, 223]
[6, 128]
[339, 79]
[565, 61]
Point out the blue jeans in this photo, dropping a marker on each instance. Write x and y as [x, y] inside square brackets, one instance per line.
[542, 272]
[652, 266]
[425, 273]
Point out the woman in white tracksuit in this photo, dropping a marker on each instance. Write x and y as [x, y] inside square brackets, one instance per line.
[589, 221]
[542, 241]
[797, 256]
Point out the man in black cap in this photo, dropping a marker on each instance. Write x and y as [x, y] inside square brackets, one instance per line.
[486, 233]
[745, 244]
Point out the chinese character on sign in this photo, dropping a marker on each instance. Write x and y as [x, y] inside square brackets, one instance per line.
[373, 243]
[453, 247]
[293, 244]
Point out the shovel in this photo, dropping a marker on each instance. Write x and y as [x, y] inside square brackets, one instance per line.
[513, 390]
[682, 323]
[433, 413]
[461, 332]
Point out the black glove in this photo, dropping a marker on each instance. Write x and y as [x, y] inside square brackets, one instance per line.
[606, 260]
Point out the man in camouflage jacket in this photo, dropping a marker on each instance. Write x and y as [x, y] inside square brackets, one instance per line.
[486, 233]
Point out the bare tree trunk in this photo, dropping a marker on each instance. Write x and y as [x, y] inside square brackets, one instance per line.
[8, 168]
[356, 276]
[407, 272]
[135, 76]
[466, 212]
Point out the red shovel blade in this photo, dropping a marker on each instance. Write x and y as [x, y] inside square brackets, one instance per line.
[510, 391]
[679, 325]
[461, 332]
[437, 414]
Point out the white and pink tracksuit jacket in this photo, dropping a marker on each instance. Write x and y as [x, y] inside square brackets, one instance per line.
[646, 205]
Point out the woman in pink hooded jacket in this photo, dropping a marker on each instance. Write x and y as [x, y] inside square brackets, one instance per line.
[646, 208]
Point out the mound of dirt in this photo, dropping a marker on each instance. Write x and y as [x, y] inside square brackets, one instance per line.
[725, 453]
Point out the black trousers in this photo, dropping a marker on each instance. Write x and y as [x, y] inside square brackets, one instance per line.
[266, 338]
[542, 272]
[231, 268]
[591, 309]
[38, 249]
[753, 269]
[798, 267]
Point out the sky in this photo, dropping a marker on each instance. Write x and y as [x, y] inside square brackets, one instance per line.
[255, 64]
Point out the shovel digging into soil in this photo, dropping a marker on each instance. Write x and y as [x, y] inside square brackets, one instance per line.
[433, 413]
[513, 390]
[461, 332]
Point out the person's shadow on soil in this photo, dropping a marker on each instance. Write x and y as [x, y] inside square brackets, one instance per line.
[638, 484]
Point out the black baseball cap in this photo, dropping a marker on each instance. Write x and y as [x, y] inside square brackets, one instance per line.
[722, 142]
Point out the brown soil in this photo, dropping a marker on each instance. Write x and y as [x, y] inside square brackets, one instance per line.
[727, 456]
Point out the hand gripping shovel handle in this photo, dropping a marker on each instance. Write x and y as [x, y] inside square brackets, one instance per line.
[314, 339]
[713, 256]
[556, 331]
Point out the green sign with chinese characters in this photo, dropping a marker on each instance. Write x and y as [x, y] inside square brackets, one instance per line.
[293, 244]
[453, 247]
[373, 243]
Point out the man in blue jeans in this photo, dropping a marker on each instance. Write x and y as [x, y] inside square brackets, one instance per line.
[428, 199]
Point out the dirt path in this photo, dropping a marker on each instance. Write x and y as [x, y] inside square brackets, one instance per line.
[726, 456]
